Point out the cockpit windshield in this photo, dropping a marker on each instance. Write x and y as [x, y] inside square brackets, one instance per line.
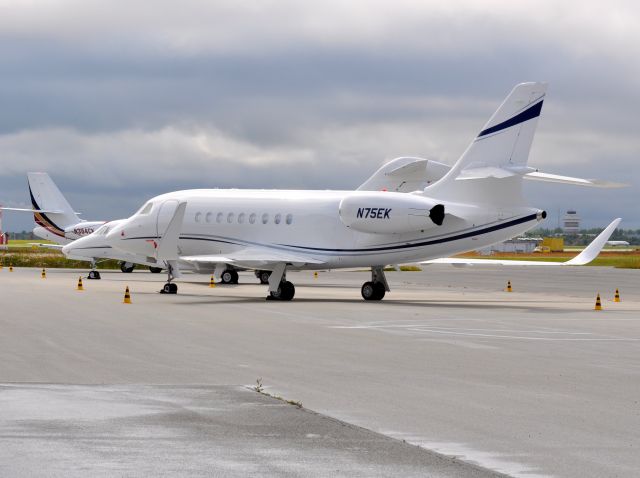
[146, 209]
[102, 230]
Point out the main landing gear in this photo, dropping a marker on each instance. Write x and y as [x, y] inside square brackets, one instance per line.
[286, 291]
[127, 267]
[279, 287]
[155, 270]
[229, 276]
[169, 287]
[377, 287]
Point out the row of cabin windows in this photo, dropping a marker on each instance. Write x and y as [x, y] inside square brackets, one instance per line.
[242, 218]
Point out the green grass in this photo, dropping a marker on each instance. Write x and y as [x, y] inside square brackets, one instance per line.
[27, 256]
[25, 243]
[631, 261]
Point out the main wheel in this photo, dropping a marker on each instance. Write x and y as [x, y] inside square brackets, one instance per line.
[368, 291]
[227, 276]
[127, 267]
[285, 291]
[264, 277]
[234, 277]
[379, 290]
[94, 275]
[155, 270]
[372, 291]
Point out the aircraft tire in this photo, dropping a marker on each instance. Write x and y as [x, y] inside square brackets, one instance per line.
[264, 277]
[285, 291]
[234, 277]
[127, 267]
[169, 288]
[379, 290]
[372, 291]
[227, 276]
[368, 291]
[155, 270]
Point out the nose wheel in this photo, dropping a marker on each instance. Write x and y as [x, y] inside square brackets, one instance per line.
[169, 287]
[94, 275]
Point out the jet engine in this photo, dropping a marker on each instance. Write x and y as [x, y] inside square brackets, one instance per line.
[389, 213]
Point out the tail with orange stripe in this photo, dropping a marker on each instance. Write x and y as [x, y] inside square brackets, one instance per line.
[51, 209]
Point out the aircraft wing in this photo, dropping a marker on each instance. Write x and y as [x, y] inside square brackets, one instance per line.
[255, 256]
[587, 255]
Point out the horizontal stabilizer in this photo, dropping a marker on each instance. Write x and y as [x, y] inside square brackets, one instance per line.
[555, 178]
[47, 246]
[44, 211]
[586, 256]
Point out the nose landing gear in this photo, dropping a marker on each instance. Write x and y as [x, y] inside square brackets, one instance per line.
[93, 273]
[169, 287]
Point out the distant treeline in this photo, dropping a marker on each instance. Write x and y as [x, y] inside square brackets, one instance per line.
[585, 236]
[22, 235]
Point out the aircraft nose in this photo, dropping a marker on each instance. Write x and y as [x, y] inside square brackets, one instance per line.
[66, 250]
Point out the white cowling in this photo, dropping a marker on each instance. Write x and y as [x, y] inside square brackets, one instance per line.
[389, 213]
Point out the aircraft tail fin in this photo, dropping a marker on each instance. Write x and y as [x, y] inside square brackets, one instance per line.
[46, 197]
[491, 168]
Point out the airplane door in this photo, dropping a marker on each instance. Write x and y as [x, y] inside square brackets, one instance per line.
[165, 213]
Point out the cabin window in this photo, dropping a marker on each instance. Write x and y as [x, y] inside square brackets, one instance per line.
[208, 217]
[219, 217]
[265, 218]
[230, 217]
[278, 218]
[241, 217]
[198, 216]
[252, 218]
[289, 219]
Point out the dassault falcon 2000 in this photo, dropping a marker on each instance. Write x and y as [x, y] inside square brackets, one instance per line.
[410, 210]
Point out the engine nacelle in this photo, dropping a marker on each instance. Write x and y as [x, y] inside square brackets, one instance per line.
[389, 213]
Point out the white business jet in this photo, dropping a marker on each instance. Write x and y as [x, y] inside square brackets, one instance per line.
[57, 221]
[410, 210]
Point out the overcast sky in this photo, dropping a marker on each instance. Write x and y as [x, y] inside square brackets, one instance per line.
[120, 101]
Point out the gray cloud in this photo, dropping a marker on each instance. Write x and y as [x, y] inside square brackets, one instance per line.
[125, 102]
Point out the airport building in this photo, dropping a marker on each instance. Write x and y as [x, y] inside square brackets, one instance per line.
[571, 222]
[524, 245]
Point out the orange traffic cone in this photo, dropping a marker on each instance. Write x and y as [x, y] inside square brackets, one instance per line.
[509, 289]
[127, 296]
[212, 282]
[617, 296]
[43, 274]
[80, 284]
[10, 267]
[315, 275]
[598, 303]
